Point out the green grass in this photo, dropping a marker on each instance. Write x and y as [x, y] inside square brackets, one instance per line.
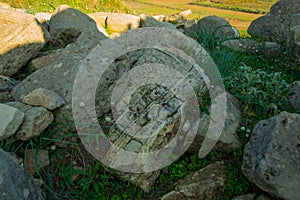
[73, 174]
[86, 6]
[250, 6]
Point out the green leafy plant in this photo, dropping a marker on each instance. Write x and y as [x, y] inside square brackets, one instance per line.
[262, 94]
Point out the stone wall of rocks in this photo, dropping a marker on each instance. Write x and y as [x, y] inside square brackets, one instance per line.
[271, 158]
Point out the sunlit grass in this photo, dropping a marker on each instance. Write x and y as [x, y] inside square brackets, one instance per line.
[87, 6]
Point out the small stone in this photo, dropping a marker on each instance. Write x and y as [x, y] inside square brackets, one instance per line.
[41, 157]
[10, 120]
[35, 121]
[45, 98]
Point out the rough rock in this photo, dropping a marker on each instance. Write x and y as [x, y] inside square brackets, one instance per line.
[295, 41]
[66, 25]
[121, 23]
[35, 121]
[269, 49]
[276, 25]
[160, 18]
[251, 197]
[42, 17]
[21, 38]
[45, 98]
[295, 95]
[173, 195]
[243, 45]
[60, 76]
[100, 18]
[272, 156]
[102, 30]
[213, 26]
[228, 140]
[41, 157]
[10, 120]
[6, 86]
[45, 59]
[179, 17]
[205, 184]
[148, 21]
[15, 182]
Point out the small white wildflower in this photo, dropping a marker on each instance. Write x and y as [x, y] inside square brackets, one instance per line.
[248, 130]
[243, 128]
[53, 147]
[247, 135]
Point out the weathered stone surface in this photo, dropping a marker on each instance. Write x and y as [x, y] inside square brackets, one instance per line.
[60, 76]
[66, 25]
[121, 23]
[41, 157]
[35, 121]
[42, 17]
[275, 26]
[251, 197]
[148, 21]
[10, 120]
[204, 184]
[173, 195]
[269, 49]
[295, 95]
[102, 30]
[228, 140]
[272, 156]
[160, 18]
[116, 22]
[213, 26]
[100, 18]
[45, 59]
[178, 17]
[21, 37]
[244, 45]
[295, 41]
[45, 98]
[15, 182]
[6, 86]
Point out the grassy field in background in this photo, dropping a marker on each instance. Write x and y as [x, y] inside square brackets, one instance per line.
[200, 8]
[249, 6]
[86, 6]
[240, 20]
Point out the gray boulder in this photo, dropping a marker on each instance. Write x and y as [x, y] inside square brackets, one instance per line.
[212, 27]
[10, 120]
[243, 45]
[276, 26]
[148, 21]
[228, 140]
[66, 25]
[205, 184]
[45, 98]
[251, 197]
[272, 157]
[21, 38]
[15, 182]
[269, 49]
[121, 23]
